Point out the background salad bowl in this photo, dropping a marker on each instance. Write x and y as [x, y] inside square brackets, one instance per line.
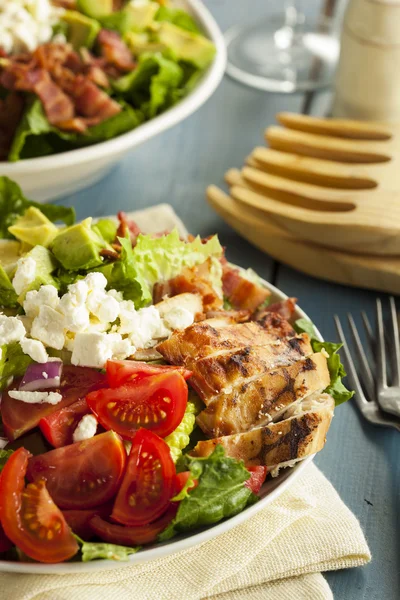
[273, 488]
[50, 177]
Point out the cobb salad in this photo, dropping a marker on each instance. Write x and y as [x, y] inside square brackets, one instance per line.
[148, 386]
[74, 73]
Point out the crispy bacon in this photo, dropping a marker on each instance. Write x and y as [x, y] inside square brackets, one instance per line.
[114, 50]
[90, 101]
[242, 293]
[193, 280]
[285, 308]
[10, 114]
[127, 227]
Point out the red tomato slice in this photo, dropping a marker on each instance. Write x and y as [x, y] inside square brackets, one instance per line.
[157, 403]
[181, 480]
[132, 536]
[123, 371]
[82, 475]
[5, 543]
[59, 427]
[79, 520]
[29, 516]
[19, 417]
[149, 481]
[257, 478]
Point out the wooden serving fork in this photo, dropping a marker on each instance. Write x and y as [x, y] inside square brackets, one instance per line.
[331, 182]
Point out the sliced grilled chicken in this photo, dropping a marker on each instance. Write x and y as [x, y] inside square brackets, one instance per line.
[219, 373]
[264, 399]
[222, 334]
[279, 444]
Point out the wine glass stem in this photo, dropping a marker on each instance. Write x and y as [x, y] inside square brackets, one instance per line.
[286, 36]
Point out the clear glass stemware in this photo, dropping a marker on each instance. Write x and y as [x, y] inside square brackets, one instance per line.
[284, 52]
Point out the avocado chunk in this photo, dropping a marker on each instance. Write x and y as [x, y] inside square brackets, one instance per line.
[78, 247]
[8, 297]
[33, 228]
[95, 8]
[139, 43]
[82, 30]
[10, 252]
[141, 13]
[186, 45]
[45, 265]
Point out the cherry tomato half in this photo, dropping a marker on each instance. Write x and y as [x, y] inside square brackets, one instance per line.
[19, 417]
[132, 536]
[79, 520]
[149, 481]
[82, 475]
[157, 403]
[123, 371]
[58, 428]
[29, 516]
[257, 478]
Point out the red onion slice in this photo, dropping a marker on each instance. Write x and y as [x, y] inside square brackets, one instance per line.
[42, 376]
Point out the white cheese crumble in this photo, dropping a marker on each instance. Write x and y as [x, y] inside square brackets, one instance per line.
[11, 330]
[25, 273]
[25, 24]
[36, 397]
[179, 318]
[94, 349]
[48, 327]
[47, 295]
[35, 350]
[85, 429]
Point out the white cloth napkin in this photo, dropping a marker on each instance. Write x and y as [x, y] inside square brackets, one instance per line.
[278, 554]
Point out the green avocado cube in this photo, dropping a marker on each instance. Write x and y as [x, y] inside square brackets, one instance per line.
[78, 247]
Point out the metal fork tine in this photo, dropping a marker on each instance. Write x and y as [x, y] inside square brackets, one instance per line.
[368, 330]
[351, 370]
[365, 368]
[381, 353]
[396, 343]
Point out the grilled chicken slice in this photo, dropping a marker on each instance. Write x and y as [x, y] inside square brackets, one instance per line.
[191, 302]
[219, 373]
[221, 334]
[279, 444]
[265, 398]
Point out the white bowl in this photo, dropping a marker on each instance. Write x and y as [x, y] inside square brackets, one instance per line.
[269, 492]
[50, 177]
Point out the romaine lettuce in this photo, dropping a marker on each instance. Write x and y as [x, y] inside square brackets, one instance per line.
[13, 363]
[178, 17]
[180, 438]
[336, 370]
[4, 456]
[97, 550]
[220, 493]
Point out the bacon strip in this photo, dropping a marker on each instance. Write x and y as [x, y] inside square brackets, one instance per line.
[284, 308]
[242, 293]
[10, 114]
[114, 50]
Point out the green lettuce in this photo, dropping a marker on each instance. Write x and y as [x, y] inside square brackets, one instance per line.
[97, 550]
[220, 493]
[13, 204]
[178, 17]
[151, 85]
[8, 297]
[180, 437]
[4, 456]
[336, 370]
[35, 136]
[13, 363]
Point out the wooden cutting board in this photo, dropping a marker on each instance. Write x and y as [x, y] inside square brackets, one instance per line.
[373, 272]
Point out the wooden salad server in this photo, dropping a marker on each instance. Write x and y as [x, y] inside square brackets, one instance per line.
[373, 272]
[331, 182]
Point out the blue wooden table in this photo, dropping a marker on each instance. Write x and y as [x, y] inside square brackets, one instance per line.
[362, 462]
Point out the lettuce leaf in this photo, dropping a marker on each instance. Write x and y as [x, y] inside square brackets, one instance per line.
[4, 456]
[220, 493]
[151, 85]
[13, 363]
[160, 259]
[13, 204]
[178, 17]
[336, 370]
[97, 550]
[180, 438]
[8, 297]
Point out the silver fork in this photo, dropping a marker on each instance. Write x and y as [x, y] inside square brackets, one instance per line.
[377, 394]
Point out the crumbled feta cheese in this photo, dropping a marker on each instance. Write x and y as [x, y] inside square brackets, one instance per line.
[91, 349]
[144, 327]
[36, 397]
[85, 429]
[96, 281]
[25, 24]
[47, 295]
[35, 350]
[25, 274]
[116, 295]
[103, 306]
[73, 307]
[11, 330]
[48, 327]
[44, 375]
[179, 318]
[121, 348]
